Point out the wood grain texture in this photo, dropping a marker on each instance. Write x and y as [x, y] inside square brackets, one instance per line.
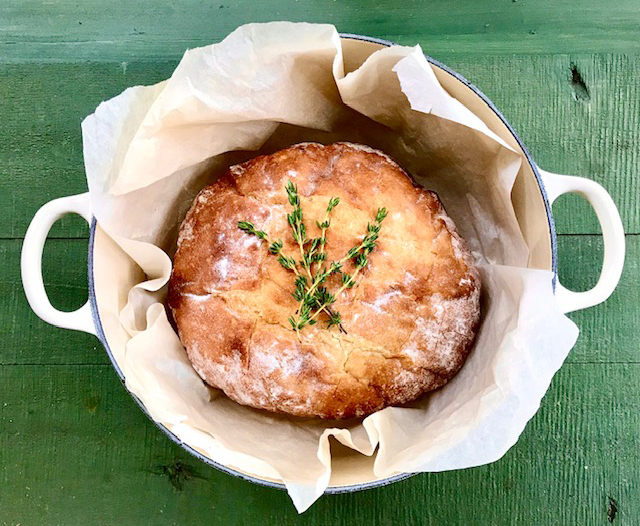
[593, 133]
[40, 138]
[607, 330]
[94, 30]
[599, 138]
[25, 338]
[75, 449]
[73, 444]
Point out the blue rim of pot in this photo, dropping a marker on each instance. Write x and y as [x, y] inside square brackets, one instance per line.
[332, 489]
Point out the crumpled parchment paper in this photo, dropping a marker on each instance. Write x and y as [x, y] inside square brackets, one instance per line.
[149, 150]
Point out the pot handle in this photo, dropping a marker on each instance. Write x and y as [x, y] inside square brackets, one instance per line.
[612, 232]
[31, 263]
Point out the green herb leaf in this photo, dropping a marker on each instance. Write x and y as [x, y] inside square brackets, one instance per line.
[288, 263]
[276, 246]
[334, 319]
[381, 214]
[361, 261]
[348, 281]
[246, 226]
[292, 194]
[313, 297]
[333, 202]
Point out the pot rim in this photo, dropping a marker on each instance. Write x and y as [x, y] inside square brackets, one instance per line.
[331, 489]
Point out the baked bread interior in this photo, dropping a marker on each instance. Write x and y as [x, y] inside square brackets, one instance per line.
[405, 327]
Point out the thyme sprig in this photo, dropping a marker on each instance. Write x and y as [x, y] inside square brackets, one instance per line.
[359, 255]
[296, 221]
[275, 247]
[324, 226]
[310, 291]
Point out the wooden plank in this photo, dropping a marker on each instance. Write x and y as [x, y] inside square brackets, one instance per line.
[589, 128]
[75, 449]
[599, 138]
[40, 136]
[25, 338]
[608, 331]
[94, 30]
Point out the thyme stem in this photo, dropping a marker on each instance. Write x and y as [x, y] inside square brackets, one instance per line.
[340, 290]
[312, 297]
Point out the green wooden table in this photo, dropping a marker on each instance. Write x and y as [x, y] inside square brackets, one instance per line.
[74, 447]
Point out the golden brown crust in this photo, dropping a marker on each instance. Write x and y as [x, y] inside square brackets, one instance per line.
[411, 321]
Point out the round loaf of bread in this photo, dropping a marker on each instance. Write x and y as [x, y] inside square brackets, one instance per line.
[409, 323]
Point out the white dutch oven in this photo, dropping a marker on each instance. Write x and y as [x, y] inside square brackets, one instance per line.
[534, 192]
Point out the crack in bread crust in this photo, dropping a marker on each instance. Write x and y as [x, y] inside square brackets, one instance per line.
[411, 320]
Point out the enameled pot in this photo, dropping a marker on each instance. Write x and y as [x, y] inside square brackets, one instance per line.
[534, 192]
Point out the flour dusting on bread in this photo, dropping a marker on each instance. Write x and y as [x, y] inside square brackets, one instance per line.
[410, 322]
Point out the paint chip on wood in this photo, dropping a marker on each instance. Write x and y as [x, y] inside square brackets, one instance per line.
[578, 85]
[612, 509]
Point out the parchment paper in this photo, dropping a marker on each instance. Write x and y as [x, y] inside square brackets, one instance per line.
[266, 86]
